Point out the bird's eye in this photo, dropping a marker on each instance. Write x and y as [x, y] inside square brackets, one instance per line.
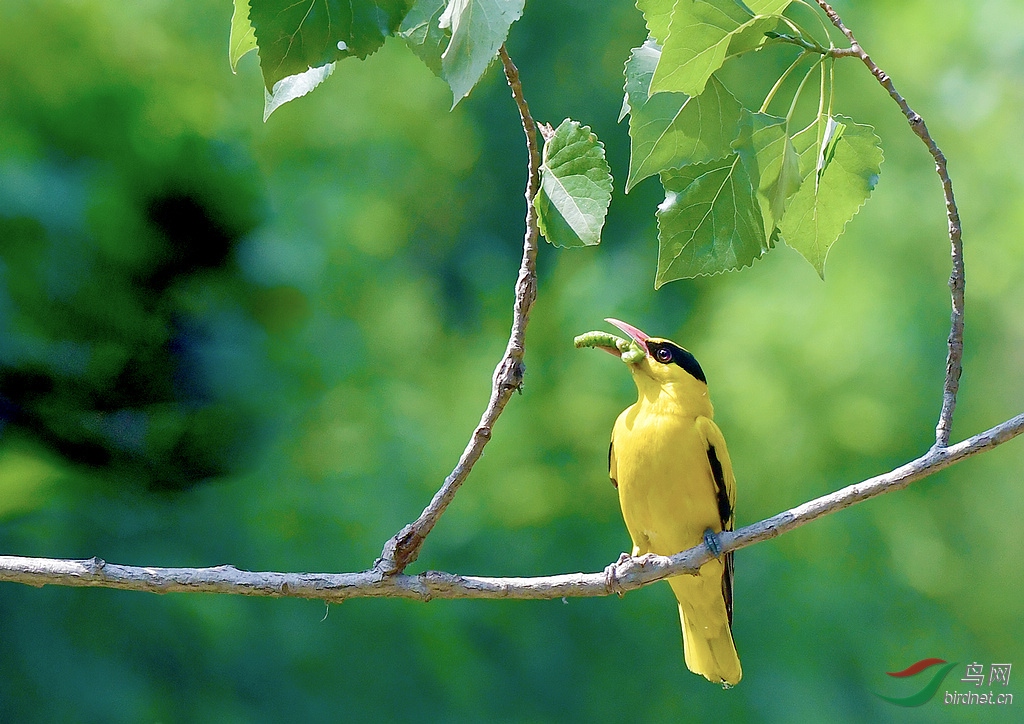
[663, 355]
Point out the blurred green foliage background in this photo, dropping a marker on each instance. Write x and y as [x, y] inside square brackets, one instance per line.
[265, 345]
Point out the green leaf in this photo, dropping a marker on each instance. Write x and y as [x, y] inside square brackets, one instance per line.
[698, 40]
[294, 86]
[751, 35]
[624, 111]
[773, 163]
[575, 188]
[849, 164]
[668, 130]
[422, 32]
[657, 14]
[808, 143]
[833, 132]
[296, 36]
[478, 28]
[767, 7]
[710, 221]
[242, 39]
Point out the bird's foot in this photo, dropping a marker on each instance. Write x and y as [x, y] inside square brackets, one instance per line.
[611, 579]
[712, 543]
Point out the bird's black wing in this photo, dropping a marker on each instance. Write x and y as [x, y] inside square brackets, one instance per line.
[725, 514]
[611, 470]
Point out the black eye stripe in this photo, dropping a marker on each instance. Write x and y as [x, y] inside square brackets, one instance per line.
[667, 352]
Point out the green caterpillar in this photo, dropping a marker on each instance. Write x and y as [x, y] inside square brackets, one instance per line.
[598, 339]
[630, 351]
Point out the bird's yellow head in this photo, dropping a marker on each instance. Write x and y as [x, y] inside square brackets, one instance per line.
[657, 365]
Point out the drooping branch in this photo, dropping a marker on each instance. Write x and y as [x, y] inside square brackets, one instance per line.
[955, 343]
[403, 548]
[624, 575]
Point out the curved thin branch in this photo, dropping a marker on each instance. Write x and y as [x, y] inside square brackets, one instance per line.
[403, 548]
[624, 575]
[954, 356]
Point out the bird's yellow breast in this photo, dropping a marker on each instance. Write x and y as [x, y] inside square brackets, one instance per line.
[666, 486]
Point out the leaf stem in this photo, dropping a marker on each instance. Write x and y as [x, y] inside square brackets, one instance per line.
[817, 16]
[821, 92]
[802, 36]
[799, 90]
[782, 79]
[831, 83]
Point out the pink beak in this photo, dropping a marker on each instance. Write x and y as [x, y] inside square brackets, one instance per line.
[635, 334]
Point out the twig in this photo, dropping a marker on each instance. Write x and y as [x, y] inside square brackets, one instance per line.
[624, 575]
[403, 548]
[955, 342]
[801, 42]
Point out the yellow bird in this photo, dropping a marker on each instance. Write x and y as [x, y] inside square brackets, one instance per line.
[676, 488]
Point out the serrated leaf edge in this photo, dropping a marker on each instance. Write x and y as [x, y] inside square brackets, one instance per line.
[548, 173]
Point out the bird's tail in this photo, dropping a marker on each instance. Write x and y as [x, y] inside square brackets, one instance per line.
[707, 636]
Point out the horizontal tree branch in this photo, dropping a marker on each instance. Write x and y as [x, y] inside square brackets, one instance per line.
[624, 575]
